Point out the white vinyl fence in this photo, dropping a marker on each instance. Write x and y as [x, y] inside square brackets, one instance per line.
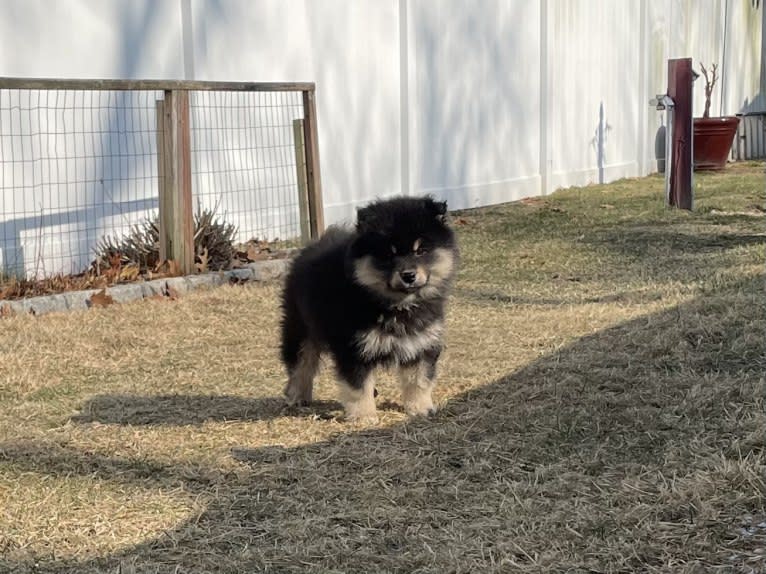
[473, 102]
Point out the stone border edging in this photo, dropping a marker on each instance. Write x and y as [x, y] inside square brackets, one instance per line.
[72, 300]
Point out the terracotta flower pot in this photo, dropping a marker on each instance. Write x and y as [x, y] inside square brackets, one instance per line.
[712, 141]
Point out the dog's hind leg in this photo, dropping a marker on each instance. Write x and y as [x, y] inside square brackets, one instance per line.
[301, 372]
[300, 356]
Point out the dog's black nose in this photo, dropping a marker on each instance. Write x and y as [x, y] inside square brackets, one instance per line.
[408, 276]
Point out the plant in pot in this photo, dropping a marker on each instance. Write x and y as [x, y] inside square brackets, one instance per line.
[712, 136]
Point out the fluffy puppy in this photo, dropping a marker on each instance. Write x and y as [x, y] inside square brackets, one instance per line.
[372, 296]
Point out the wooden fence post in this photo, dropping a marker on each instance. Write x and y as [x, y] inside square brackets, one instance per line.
[174, 168]
[300, 172]
[163, 195]
[313, 179]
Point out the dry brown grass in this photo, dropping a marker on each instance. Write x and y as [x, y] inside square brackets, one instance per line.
[602, 411]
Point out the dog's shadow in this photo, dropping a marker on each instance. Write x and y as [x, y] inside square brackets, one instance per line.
[194, 409]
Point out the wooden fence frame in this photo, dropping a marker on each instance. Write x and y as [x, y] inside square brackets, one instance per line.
[174, 150]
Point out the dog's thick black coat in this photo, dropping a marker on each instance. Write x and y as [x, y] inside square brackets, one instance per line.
[374, 295]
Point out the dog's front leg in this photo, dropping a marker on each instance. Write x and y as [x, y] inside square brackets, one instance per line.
[357, 393]
[416, 381]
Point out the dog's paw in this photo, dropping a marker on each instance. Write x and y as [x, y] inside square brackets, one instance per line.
[424, 406]
[365, 419]
[360, 412]
[297, 397]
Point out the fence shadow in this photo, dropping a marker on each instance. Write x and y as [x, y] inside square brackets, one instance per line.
[563, 465]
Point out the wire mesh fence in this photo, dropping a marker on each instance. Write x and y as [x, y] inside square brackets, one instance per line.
[243, 161]
[75, 166]
[79, 162]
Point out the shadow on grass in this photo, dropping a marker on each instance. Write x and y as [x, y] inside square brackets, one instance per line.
[494, 297]
[637, 449]
[635, 240]
[191, 409]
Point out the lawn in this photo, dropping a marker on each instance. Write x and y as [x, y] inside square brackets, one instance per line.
[602, 410]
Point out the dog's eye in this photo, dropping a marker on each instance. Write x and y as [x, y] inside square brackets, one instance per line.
[418, 249]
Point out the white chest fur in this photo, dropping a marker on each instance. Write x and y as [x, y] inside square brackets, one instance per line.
[379, 342]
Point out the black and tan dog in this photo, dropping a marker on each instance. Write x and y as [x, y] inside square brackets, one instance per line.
[371, 297]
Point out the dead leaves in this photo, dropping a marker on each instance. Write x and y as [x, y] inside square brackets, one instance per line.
[129, 274]
[204, 260]
[116, 269]
[170, 292]
[256, 250]
[116, 272]
[542, 204]
[167, 293]
[165, 268]
[15, 288]
[101, 299]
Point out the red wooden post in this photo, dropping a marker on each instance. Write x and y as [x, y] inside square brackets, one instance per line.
[680, 79]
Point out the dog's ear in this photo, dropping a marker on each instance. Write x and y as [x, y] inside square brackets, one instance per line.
[437, 208]
[365, 219]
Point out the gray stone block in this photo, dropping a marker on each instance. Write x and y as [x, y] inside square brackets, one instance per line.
[153, 287]
[78, 299]
[177, 284]
[46, 304]
[270, 269]
[204, 281]
[243, 274]
[19, 307]
[71, 300]
[126, 293]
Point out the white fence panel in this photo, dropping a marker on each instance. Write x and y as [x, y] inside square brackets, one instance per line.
[477, 103]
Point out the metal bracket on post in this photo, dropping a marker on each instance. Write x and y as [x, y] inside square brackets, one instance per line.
[665, 102]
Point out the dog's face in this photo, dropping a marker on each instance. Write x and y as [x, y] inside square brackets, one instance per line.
[404, 248]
